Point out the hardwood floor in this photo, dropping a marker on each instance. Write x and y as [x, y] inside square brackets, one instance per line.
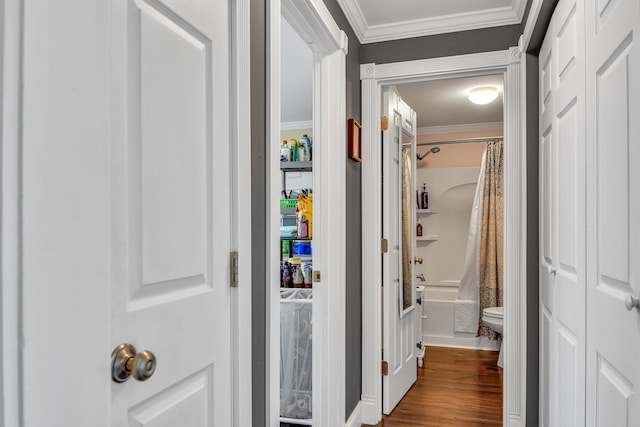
[455, 387]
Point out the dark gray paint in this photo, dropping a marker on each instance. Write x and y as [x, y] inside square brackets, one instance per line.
[532, 241]
[439, 45]
[258, 207]
[353, 285]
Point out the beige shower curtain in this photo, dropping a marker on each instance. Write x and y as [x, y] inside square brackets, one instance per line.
[407, 231]
[491, 254]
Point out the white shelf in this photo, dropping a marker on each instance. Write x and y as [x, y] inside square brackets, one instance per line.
[303, 422]
[427, 238]
[425, 211]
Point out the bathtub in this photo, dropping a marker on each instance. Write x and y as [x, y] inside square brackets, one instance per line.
[438, 321]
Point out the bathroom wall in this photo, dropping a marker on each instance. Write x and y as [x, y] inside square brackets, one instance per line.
[451, 178]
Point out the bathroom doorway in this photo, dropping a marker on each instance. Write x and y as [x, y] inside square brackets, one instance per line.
[374, 78]
[455, 208]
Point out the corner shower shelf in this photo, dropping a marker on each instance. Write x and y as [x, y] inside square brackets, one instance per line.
[425, 211]
[427, 238]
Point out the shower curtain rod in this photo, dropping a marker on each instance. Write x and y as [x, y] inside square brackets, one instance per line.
[459, 141]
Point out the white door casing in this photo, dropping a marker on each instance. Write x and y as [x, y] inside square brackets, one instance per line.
[562, 213]
[399, 332]
[128, 214]
[613, 209]
[373, 77]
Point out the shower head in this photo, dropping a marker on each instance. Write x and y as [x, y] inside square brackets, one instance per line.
[433, 150]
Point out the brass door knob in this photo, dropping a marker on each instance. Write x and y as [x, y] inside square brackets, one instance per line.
[144, 365]
[125, 362]
[418, 260]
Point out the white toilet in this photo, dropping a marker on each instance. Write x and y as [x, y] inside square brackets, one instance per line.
[493, 318]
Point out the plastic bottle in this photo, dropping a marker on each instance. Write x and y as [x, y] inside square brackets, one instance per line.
[286, 276]
[285, 153]
[298, 278]
[425, 197]
[294, 150]
[306, 144]
[419, 230]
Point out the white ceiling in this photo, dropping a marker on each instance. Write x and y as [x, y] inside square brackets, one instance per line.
[381, 20]
[445, 102]
[296, 78]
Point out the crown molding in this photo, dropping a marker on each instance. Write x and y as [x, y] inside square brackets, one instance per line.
[306, 124]
[471, 127]
[366, 33]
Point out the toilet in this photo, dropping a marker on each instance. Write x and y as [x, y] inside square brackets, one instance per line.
[492, 317]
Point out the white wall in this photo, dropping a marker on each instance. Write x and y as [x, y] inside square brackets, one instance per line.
[451, 192]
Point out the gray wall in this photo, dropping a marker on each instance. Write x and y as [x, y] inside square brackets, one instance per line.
[258, 207]
[461, 43]
[353, 288]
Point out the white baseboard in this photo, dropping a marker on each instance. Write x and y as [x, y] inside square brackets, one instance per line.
[355, 420]
[368, 410]
[477, 343]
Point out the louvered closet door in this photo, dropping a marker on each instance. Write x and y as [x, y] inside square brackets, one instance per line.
[613, 239]
[562, 219]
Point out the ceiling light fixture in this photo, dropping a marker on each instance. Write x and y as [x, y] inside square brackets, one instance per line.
[483, 95]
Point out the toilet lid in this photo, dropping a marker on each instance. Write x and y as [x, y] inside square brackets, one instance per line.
[494, 312]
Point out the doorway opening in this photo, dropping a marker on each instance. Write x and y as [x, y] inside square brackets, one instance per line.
[374, 78]
[322, 229]
[453, 184]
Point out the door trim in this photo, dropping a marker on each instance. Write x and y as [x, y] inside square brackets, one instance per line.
[10, 206]
[241, 296]
[315, 24]
[373, 77]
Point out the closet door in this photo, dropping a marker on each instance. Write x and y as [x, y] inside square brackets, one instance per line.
[613, 238]
[562, 202]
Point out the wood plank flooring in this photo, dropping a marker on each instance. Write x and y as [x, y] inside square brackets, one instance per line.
[455, 387]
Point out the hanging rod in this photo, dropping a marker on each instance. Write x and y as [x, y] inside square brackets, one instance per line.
[459, 141]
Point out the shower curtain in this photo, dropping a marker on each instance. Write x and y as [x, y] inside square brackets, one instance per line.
[481, 283]
[467, 304]
[490, 256]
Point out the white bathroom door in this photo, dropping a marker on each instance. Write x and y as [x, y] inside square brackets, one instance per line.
[127, 212]
[562, 219]
[613, 241]
[399, 333]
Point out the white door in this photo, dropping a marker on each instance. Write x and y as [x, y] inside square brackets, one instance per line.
[127, 212]
[613, 209]
[562, 219]
[399, 332]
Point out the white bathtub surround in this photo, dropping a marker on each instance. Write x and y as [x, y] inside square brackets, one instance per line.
[438, 323]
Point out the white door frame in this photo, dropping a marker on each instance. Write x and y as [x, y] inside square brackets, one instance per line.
[313, 22]
[11, 366]
[373, 77]
[10, 131]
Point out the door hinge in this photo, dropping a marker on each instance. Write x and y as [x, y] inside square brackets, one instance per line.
[384, 246]
[234, 269]
[384, 123]
[385, 368]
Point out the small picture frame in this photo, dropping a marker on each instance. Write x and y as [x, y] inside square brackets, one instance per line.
[354, 140]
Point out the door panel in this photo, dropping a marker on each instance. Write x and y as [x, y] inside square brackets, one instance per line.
[170, 210]
[613, 137]
[399, 330]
